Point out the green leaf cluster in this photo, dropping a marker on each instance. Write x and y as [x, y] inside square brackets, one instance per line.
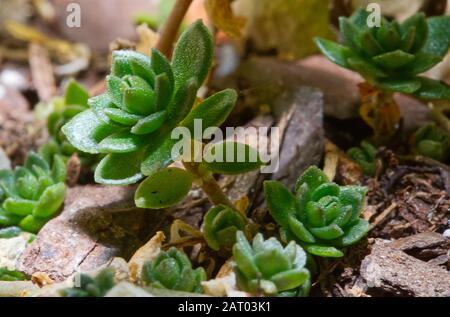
[220, 225]
[268, 268]
[146, 99]
[432, 141]
[393, 55]
[172, 270]
[32, 194]
[321, 215]
[365, 156]
[75, 101]
[7, 275]
[89, 286]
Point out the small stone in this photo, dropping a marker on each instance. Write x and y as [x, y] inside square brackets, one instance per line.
[446, 234]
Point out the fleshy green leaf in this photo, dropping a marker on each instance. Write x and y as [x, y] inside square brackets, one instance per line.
[158, 155]
[212, 111]
[120, 142]
[149, 124]
[336, 53]
[193, 54]
[432, 89]
[163, 92]
[313, 177]
[75, 94]
[120, 169]
[120, 116]
[323, 251]
[161, 65]
[19, 207]
[438, 40]
[300, 231]
[419, 24]
[330, 232]
[163, 189]
[182, 102]
[231, 158]
[354, 233]
[422, 63]
[50, 201]
[395, 59]
[85, 131]
[406, 86]
[280, 202]
[290, 279]
[59, 170]
[32, 224]
[365, 68]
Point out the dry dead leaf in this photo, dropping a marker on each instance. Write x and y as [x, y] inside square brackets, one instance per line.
[224, 284]
[41, 279]
[147, 39]
[145, 253]
[221, 14]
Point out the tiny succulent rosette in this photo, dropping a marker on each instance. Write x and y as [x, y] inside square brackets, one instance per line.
[265, 267]
[322, 216]
[75, 101]
[365, 156]
[88, 286]
[432, 141]
[220, 225]
[32, 194]
[172, 270]
[392, 55]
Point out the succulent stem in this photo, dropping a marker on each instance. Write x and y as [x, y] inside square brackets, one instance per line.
[170, 29]
[209, 185]
[380, 111]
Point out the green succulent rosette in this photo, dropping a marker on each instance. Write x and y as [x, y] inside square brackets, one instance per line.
[146, 99]
[322, 216]
[7, 275]
[32, 194]
[89, 286]
[365, 156]
[75, 101]
[265, 267]
[432, 141]
[172, 270]
[220, 225]
[392, 55]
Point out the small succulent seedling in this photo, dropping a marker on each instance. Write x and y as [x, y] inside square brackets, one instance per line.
[89, 286]
[268, 268]
[132, 123]
[365, 156]
[173, 270]
[322, 216]
[391, 57]
[32, 194]
[433, 142]
[11, 275]
[75, 101]
[220, 225]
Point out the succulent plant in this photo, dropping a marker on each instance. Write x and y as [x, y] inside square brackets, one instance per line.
[32, 194]
[220, 225]
[266, 267]
[433, 142]
[89, 286]
[75, 101]
[365, 156]
[322, 216]
[11, 275]
[172, 270]
[132, 123]
[393, 55]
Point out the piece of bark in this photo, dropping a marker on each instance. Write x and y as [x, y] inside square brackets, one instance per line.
[423, 246]
[389, 271]
[97, 224]
[300, 121]
[41, 71]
